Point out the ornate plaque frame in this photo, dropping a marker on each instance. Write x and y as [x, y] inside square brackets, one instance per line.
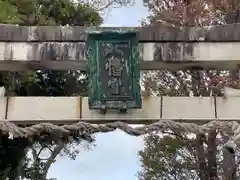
[113, 70]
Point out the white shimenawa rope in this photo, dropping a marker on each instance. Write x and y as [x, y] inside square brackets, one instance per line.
[87, 129]
[234, 140]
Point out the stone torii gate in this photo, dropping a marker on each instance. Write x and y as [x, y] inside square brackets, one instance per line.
[25, 48]
[62, 48]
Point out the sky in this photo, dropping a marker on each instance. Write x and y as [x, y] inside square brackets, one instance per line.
[115, 156]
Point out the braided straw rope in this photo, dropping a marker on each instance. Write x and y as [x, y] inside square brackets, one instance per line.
[83, 128]
[87, 128]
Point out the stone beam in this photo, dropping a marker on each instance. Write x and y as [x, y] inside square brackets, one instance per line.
[67, 110]
[22, 56]
[230, 32]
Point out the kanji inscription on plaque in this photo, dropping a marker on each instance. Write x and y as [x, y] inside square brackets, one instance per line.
[113, 68]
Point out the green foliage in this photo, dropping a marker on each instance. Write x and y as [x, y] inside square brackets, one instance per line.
[11, 152]
[51, 83]
[166, 157]
[47, 12]
[171, 157]
[9, 14]
[40, 83]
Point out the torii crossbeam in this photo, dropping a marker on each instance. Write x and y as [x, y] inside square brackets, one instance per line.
[25, 48]
[62, 48]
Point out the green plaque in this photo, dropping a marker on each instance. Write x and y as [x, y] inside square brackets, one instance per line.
[113, 69]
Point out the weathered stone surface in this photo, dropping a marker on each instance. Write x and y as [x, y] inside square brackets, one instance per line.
[42, 51]
[228, 108]
[69, 109]
[65, 110]
[44, 108]
[13, 32]
[160, 47]
[199, 51]
[57, 33]
[3, 103]
[174, 51]
[168, 52]
[153, 56]
[150, 111]
[229, 32]
[188, 108]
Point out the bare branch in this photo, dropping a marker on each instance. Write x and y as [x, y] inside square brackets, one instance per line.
[53, 155]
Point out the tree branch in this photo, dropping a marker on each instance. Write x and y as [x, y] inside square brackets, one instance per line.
[201, 157]
[52, 157]
[212, 152]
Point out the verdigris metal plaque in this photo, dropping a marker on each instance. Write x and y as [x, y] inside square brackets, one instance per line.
[113, 70]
